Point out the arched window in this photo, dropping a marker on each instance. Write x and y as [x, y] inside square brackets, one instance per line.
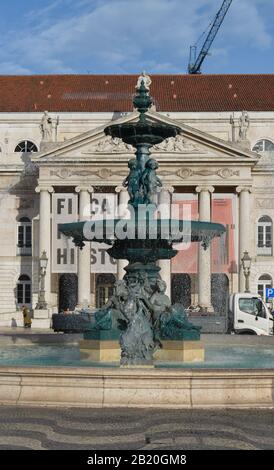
[24, 291]
[264, 281]
[24, 237]
[26, 146]
[264, 237]
[264, 145]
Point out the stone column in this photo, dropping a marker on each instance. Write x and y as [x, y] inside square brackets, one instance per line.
[123, 198]
[204, 256]
[244, 229]
[84, 254]
[45, 233]
[165, 196]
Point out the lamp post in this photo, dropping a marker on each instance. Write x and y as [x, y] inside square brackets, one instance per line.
[246, 264]
[42, 304]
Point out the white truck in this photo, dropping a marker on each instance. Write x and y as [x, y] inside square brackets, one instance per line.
[248, 314]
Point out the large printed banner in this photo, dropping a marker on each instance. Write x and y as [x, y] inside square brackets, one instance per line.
[223, 249]
[101, 262]
[64, 252]
[103, 206]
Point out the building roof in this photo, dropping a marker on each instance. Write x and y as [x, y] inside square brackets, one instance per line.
[113, 93]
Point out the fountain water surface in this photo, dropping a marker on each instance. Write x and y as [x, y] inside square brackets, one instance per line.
[139, 314]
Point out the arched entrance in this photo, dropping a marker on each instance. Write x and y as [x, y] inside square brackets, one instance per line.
[181, 289]
[68, 292]
[104, 288]
[219, 293]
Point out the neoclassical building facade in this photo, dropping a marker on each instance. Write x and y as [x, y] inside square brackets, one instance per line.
[56, 164]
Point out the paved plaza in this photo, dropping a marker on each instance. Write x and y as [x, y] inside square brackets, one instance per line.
[118, 429]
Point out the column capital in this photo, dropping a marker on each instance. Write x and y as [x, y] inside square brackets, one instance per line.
[84, 187]
[120, 189]
[169, 189]
[40, 188]
[209, 189]
[240, 189]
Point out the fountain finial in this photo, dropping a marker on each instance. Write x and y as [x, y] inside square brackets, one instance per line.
[142, 101]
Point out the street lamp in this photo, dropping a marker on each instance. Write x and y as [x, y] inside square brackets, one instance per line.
[246, 264]
[42, 304]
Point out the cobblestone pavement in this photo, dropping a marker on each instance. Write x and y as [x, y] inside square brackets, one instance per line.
[117, 429]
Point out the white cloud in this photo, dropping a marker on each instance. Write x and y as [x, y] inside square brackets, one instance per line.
[124, 36]
[245, 23]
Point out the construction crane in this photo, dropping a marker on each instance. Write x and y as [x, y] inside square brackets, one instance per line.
[195, 63]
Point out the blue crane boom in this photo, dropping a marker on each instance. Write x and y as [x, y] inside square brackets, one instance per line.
[195, 63]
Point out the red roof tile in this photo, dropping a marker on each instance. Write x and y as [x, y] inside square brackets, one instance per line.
[110, 93]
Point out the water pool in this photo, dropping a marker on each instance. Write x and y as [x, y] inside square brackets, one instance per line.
[217, 356]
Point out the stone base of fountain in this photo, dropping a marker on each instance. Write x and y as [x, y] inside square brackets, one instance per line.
[101, 351]
[180, 351]
[106, 350]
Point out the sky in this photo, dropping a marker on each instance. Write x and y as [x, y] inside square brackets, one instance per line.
[128, 36]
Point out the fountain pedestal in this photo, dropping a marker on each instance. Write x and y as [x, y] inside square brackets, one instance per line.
[173, 351]
[101, 346]
[107, 351]
[101, 351]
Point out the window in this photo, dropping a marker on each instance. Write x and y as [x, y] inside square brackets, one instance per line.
[264, 145]
[264, 236]
[26, 146]
[24, 291]
[252, 306]
[24, 237]
[264, 281]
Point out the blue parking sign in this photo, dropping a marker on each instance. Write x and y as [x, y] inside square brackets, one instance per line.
[269, 292]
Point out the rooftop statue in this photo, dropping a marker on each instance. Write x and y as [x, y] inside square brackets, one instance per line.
[243, 126]
[46, 127]
[145, 79]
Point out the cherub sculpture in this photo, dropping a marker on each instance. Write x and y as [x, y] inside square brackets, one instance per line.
[150, 180]
[132, 181]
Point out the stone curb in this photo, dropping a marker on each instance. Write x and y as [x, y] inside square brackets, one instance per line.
[145, 388]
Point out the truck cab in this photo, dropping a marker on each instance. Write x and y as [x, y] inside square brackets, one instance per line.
[248, 314]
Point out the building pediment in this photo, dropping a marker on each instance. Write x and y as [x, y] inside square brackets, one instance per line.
[191, 145]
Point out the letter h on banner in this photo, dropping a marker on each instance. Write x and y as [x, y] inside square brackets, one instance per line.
[64, 252]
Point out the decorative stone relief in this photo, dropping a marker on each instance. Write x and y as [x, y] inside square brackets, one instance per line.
[102, 173]
[109, 145]
[177, 144]
[186, 173]
[264, 203]
[105, 173]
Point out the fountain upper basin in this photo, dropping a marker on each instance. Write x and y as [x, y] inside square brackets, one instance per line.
[142, 132]
[144, 232]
